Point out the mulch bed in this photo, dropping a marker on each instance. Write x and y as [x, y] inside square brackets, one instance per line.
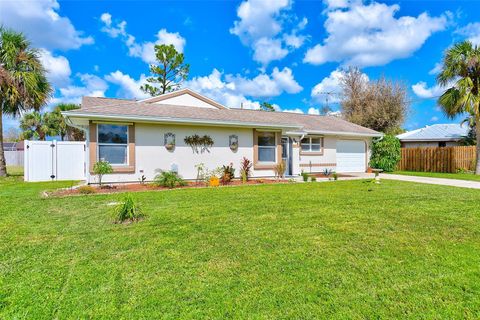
[138, 187]
[321, 175]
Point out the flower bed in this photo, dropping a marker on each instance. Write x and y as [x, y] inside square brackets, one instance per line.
[137, 187]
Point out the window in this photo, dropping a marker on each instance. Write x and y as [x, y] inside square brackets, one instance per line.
[267, 147]
[113, 143]
[311, 144]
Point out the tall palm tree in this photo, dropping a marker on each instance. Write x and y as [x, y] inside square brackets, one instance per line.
[38, 126]
[23, 83]
[63, 129]
[461, 65]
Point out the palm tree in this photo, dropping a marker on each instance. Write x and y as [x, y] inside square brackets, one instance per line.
[461, 65]
[37, 125]
[63, 129]
[23, 83]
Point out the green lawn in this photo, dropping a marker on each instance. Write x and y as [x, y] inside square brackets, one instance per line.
[314, 250]
[460, 176]
[15, 170]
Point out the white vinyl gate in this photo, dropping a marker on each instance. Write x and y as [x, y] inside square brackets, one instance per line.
[54, 160]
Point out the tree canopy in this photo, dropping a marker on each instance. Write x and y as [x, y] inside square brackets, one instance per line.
[23, 82]
[381, 105]
[460, 74]
[169, 72]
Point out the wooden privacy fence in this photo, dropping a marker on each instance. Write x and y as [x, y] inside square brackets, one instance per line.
[445, 159]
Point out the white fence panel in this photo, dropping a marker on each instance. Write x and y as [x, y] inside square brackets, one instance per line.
[14, 158]
[70, 160]
[52, 160]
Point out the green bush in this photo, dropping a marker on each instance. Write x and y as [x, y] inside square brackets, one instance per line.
[169, 179]
[86, 190]
[128, 210]
[386, 153]
[101, 168]
[313, 178]
[304, 176]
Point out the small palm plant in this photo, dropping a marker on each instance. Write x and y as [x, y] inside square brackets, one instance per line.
[128, 210]
[101, 168]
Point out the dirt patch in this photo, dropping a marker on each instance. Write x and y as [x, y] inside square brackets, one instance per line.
[138, 187]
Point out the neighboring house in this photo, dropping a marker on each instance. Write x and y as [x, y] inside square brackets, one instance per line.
[437, 135]
[13, 146]
[141, 137]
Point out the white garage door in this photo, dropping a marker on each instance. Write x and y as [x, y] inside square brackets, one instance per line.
[351, 156]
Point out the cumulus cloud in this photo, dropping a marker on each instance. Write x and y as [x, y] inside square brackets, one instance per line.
[265, 85]
[260, 25]
[143, 50]
[436, 69]
[129, 87]
[296, 110]
[314, 111]
[330, 87]
[92, 85]
[371, 35]
[41, 22]
[57, 67]
[471, 31]
[235, 91]
[423, 91]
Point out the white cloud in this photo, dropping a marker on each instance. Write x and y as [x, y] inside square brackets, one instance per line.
[434, 119]
[314, 111]
[144, 50]
[267, 50]
[437, 68]
[42, 24]
[234, 90]
[296, 110]
[371, 35]
[471, 31]
[57, 67]
[265, 85]
[129, 87]
[330, 84]
[260, 26]
[423, 91]
[92, 85]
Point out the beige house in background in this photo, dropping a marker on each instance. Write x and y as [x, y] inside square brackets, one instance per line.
[140, 137]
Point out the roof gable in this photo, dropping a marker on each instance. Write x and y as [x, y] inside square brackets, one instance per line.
[185, 97]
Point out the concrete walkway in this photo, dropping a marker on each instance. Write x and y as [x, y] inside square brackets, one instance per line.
[439, 181]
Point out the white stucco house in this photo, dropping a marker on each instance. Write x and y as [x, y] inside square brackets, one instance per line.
[436, 135]
[140, 137]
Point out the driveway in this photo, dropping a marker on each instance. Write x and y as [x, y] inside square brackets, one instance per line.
[439, 181]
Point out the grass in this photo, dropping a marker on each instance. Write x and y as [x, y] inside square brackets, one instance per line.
[316, 250]
[15, 170]
[459, 176]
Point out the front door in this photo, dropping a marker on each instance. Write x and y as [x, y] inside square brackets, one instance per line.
[286, 155]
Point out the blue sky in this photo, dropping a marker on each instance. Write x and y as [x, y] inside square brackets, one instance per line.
[284, 52]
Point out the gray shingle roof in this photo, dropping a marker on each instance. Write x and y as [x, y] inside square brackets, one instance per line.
[130, 108]
[436, 132]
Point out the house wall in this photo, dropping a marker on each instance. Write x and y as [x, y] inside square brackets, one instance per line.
[187, 100]
[328, 158]
[428, 144]
[150, 153]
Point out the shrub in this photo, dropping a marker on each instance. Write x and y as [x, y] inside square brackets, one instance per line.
[304, 176]
[280, 169]
[228, 173]
[245, 168]
[335, 176]
[86, 190]
[313, 179]
[101, 168]
[385, 153]
[128, 210]
[169, 179]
